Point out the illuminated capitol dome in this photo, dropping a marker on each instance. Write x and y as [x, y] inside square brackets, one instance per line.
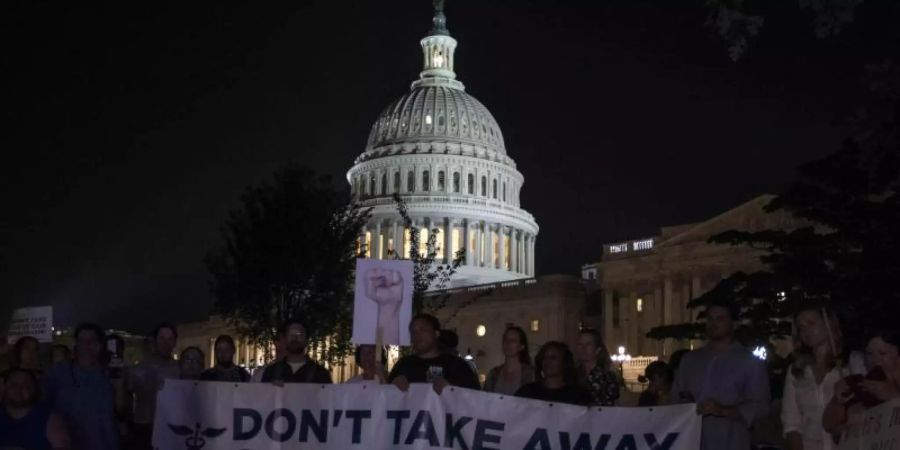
[442, 150]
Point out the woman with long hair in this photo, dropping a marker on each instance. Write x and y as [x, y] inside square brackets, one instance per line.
[516, 370]
[594, 371]
[555, 377]
[819, 363]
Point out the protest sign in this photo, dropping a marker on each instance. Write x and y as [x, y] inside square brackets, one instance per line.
[35, 321]
[230, 416]
[383, 300]
[880, 429]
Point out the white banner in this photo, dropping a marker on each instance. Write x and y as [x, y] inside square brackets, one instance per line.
[880, 430]
[213, 416]
[36, 322]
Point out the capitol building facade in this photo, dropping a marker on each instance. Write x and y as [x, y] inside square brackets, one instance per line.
[442, 151]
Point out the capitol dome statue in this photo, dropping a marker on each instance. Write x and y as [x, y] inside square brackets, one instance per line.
[443, 152]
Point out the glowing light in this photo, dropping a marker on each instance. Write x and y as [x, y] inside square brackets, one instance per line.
[428, 119]
[760, 352]
[438, 60]
[481, 330]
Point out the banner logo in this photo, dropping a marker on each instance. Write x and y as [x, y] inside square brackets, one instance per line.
[195, 438]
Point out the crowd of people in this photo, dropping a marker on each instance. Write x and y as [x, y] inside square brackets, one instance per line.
[84, 401]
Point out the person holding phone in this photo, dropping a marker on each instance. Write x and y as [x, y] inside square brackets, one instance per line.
[856, 393]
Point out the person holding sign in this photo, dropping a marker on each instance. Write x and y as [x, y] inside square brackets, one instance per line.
[24, 421]
[557, 380]
[428, 364]
[729, 385]
[225, 368]
[81, 392]
[296, 367]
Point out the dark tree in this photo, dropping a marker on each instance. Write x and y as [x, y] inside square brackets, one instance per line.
[427, 272]
[848, 255]
[738, 23]
[289, 251]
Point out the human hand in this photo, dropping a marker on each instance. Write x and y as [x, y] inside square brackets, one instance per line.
[384, 287]
[882, 390]
[402, 383]
[842, 392]
[710, 408]
[440, 383]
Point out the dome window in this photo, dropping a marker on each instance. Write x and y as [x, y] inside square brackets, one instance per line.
[396, 181]
[442, 182]
[383, 183]
[411, 182]
[440, 121]
[427, 119]
[471, 184]
[456, 182]
[504, 192]
[426, 181]
[484, 186]
[495, 189]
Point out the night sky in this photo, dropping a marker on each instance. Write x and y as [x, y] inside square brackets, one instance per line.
[132, 129]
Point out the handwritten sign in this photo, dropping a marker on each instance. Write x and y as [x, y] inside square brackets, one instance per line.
[36, 322]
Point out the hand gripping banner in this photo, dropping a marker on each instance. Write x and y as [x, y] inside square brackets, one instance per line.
[226, 416]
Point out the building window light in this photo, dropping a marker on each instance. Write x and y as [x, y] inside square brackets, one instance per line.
[428, 119]
[618, 248]
[481, 330]
[645, 244]
[639, 305]
[535, 325]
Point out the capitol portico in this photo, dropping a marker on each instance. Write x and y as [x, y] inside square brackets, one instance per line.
[442, 151]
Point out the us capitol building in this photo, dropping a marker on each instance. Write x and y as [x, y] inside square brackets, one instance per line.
[443, 152]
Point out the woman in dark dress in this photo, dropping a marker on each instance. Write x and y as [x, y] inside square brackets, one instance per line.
[556, 379]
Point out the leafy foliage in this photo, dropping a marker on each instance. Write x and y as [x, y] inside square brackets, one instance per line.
[289, 251]
[848, 257]
[737, 24]
[427, 271]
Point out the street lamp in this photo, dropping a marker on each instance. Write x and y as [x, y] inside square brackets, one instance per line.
[621, 358]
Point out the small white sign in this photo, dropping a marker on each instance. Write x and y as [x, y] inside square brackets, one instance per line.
[383, 300]
[36, 322]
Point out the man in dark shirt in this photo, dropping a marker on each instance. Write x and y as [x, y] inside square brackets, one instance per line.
[225, 368]
[428, 364]
[295, 367]
[556, 379]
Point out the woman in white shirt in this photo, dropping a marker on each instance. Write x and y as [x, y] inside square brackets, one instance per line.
[809, 384]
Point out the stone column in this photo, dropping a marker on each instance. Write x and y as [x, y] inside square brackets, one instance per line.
[466, 236]
[531, 256]
[514, 249]
[479, 244]
[522, 252]
[489, 254]
[394, 228]
[376, 241]
[448, 235]
[501, 231]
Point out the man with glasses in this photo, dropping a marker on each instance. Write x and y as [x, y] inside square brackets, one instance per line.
[295, 367]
